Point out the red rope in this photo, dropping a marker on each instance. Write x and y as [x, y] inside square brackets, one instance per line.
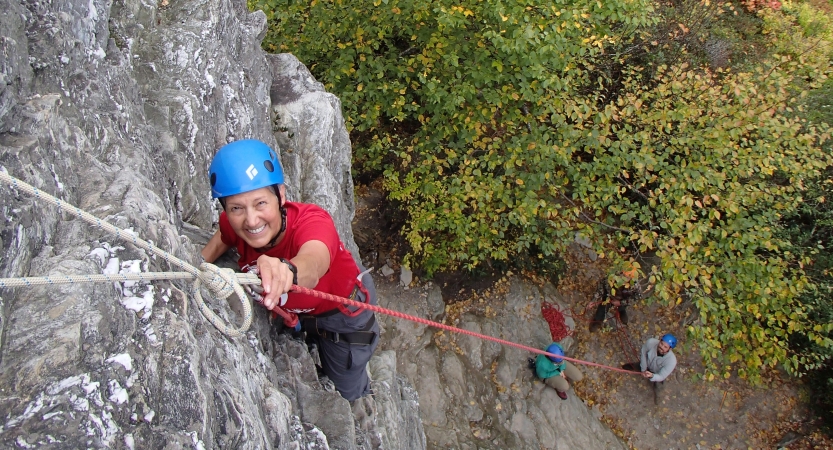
[289, 319]
[581, 316]
[555, 318]
[624, 337]
[390, 312]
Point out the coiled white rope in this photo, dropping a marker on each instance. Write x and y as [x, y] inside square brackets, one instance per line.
[221, 282]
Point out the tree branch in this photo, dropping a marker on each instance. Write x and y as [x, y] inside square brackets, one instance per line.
[588, 219]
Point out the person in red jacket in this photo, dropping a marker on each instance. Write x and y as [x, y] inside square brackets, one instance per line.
[288, 243]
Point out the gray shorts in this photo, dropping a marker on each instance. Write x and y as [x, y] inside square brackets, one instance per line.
[344, 363]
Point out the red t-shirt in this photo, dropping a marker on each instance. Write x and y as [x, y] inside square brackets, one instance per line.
[304, 222]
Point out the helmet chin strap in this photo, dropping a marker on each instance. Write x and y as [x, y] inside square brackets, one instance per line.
[283, 228]
[283, 218]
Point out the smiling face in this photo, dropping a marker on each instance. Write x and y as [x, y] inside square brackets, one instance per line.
[663, 348]
[255, 216]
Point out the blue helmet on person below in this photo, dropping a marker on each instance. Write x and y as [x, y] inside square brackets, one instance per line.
[243, 166]
[669, 339]
[555, 349]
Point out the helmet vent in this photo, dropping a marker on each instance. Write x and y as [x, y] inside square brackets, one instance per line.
[268, 165]
[213, 179]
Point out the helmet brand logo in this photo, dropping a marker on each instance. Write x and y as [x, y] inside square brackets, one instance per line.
[251, 172]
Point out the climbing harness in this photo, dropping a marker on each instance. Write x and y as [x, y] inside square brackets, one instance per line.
[362, 337]
[625, 339]
[223, 282]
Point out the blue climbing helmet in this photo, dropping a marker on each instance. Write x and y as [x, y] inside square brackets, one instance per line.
[555, 349]
[243, 166]
[669, 339]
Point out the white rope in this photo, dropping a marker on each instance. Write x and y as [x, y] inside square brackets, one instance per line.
[70, 279]
[221, 282]
[242, 278]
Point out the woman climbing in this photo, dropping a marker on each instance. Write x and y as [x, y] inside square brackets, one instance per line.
[288, 243]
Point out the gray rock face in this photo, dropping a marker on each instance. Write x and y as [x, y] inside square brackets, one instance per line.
[477, 394]
[118, 107]
[315, 146]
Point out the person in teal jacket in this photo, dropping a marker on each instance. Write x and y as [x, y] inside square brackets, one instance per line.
[555, 371]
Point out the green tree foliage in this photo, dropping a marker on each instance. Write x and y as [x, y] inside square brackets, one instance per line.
[467, 103]
[507, 127]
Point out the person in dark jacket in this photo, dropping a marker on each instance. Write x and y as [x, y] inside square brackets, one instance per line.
[621, 298]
